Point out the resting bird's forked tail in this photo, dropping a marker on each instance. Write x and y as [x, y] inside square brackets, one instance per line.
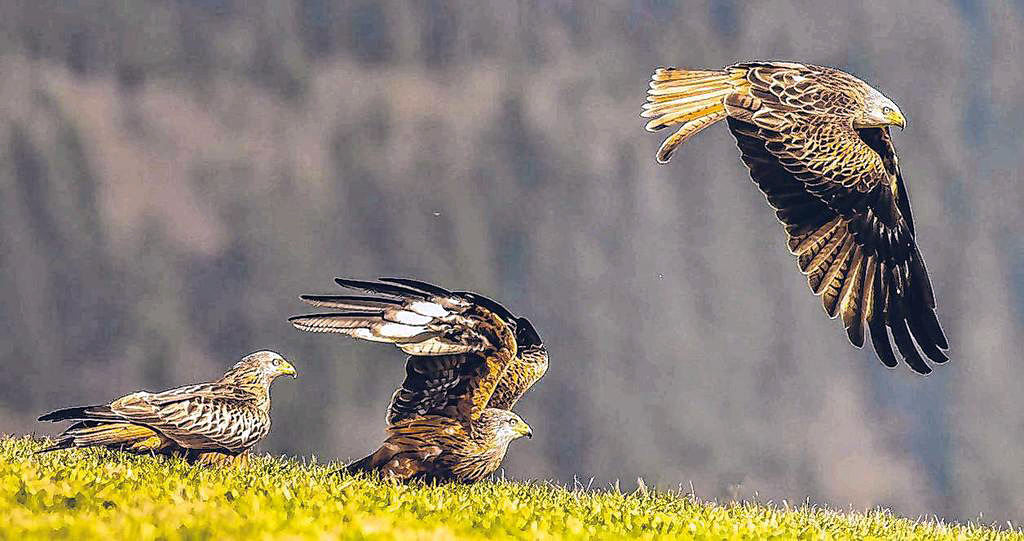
[693, 98]
[99, 426]
[111, 435]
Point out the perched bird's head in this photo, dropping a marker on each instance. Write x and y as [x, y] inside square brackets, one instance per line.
[504, 425]
[261, 367]
[879, 112]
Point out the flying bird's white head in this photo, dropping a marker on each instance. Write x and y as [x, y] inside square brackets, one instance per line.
[879, 112]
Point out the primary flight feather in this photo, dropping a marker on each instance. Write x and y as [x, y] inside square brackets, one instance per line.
[470, 360]
[817, 143]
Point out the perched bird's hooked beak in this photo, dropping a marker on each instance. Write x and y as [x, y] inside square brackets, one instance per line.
[528, 432]
[287, 369]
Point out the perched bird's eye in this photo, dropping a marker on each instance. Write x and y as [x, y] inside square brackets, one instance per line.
[511, 421]
[886, 110]
[277, 362]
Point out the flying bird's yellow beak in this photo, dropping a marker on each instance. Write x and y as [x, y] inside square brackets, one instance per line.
[896, 118]
[525, 430]
[287, 369]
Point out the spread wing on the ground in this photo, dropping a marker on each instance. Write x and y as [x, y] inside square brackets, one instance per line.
[466, 352]
[469, 360]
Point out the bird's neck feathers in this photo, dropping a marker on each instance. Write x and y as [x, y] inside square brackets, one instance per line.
[261, 393]
[252, 382]
[480, 462]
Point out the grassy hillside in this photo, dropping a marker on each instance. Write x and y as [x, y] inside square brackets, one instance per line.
[103, 495]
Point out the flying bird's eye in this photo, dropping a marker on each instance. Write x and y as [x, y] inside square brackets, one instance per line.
[886, 110]
[277, 362]
[511, 422]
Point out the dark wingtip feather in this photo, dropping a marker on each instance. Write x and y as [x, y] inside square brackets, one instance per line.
[940, 339]
[382, 288]
[416, 284]
[856, 332]
[879, 333]
[930, 324]
[901, 335]
[350, 301]
[880, 341]
[489, 304]
[924, 338]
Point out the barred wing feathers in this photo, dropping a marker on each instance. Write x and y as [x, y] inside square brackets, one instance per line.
[461, 345]
[207, 416]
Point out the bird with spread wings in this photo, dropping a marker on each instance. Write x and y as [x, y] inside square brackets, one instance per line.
[816, 141]
[208, 423]
[470, 360]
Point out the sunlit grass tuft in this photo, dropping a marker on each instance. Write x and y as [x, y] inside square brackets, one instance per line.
[96, 494]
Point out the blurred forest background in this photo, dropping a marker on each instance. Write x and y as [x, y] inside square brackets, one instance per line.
[175, 173]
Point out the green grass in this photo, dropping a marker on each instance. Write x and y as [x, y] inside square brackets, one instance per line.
[97, 494]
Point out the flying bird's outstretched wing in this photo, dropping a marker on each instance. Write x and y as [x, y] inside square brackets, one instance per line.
[837, 188]
[462, 346]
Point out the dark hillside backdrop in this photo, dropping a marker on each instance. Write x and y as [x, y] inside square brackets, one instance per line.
[173, 174]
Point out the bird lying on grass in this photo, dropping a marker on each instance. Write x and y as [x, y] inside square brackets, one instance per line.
[470, 360]
[208, 423]
[817, 143]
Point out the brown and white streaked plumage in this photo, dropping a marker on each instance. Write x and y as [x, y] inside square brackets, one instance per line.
[213, 422]
[470, 361]
[817, 143]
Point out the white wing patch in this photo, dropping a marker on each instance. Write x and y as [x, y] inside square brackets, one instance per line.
[397, 330]
[365, 334]
[428, 309]
[410, 318]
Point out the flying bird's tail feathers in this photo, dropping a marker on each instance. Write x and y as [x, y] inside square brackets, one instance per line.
[692, 98]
